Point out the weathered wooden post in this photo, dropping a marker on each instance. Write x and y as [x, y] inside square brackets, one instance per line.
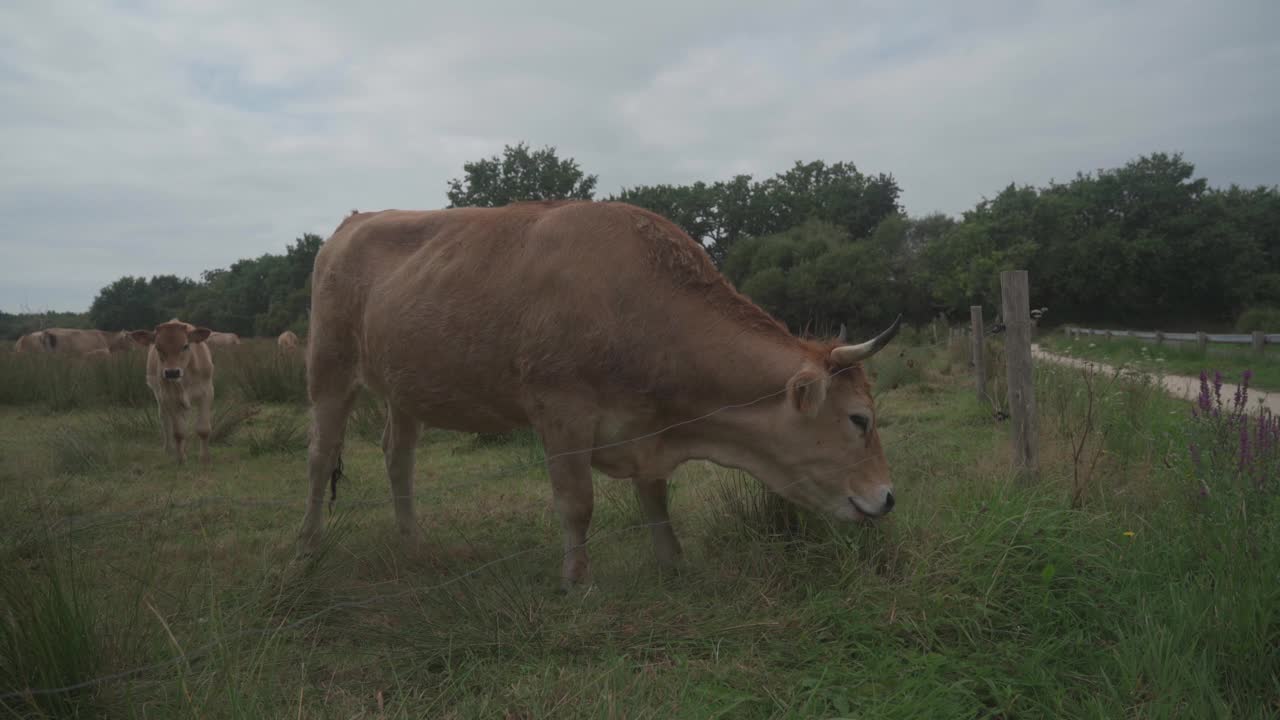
[1259, 342]
[979, 367]
[1202, 342]
[1159, 338]
[1015, 298]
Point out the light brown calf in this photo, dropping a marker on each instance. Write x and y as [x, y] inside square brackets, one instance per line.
[288, 341]
[180, 374]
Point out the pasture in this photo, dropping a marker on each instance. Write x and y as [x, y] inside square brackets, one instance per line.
[1137, 578]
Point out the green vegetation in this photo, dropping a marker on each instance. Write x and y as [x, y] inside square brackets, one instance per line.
[1171, 359]
[1134, 580]
[819, 244]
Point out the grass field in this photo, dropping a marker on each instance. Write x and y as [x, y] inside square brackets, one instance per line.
[1230, 360]
[1130, 581]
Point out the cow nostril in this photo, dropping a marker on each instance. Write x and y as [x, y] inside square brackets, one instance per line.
[888, 501]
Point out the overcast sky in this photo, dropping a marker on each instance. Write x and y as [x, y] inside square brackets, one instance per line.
[141, 137]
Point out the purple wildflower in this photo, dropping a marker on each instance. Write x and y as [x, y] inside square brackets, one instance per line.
[1246, 458]
[1204, 402]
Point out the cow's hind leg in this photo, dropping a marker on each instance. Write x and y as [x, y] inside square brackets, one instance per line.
[652, 495]
[399, 437]
[331, 386]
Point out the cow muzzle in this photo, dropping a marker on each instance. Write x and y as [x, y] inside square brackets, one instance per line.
[862, 509]
[172, 373]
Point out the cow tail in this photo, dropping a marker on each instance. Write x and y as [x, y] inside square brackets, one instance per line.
[333, 483]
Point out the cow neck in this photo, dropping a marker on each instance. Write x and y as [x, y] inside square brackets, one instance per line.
[750, 368]
[738, 407]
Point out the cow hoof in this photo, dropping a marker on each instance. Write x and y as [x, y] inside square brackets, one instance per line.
[575, 588]
[671, 568]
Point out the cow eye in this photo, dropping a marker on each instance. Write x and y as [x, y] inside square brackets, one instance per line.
[186, 347]
[861, 421]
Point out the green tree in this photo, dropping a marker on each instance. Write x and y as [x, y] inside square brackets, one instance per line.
[724, 213]
[519, 175]
[126, 304]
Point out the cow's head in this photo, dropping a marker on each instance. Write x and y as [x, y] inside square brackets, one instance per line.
[824, 449]
[173, 342]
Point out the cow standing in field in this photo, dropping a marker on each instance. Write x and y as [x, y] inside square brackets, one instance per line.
[73, 341]
[288, 341]
[223, 338]
[180, 374]
[30, 343]
[603, 326]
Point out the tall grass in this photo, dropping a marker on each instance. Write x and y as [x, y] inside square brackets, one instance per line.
[255, 372]
[977, 597]
[49, 638]
[259, 372]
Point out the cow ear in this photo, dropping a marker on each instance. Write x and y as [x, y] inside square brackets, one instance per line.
[199, 335]
[807, 390]
[143, 337]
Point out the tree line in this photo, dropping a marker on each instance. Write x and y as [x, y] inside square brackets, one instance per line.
[820, 244]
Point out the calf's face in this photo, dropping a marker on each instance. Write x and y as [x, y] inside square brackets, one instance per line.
[173, 341]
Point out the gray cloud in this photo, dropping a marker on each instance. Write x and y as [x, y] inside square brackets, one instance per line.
[162, 137]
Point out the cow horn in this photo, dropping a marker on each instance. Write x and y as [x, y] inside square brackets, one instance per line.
[843, 337]
[846, 355]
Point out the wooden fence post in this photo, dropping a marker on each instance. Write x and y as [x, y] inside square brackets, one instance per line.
[979, 366]
[1202, 342]
[1015, 298]
[1159, 338]
[1259, 341]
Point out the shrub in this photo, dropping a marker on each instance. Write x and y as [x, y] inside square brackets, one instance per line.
[1266, 319]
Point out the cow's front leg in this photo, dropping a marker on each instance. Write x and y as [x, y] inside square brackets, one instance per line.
[204, 424]
[178, 426]
[653, 504]
[570, 470]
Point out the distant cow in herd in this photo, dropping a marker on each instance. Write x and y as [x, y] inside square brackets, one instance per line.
[222, 338]
[288, 341]
[73, 341]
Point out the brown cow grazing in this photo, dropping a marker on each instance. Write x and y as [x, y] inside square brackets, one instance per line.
[221, 338]
[607, 329]
[288, 341]
[180, 373]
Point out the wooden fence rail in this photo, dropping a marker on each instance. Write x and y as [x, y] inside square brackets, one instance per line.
[1226, 338]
